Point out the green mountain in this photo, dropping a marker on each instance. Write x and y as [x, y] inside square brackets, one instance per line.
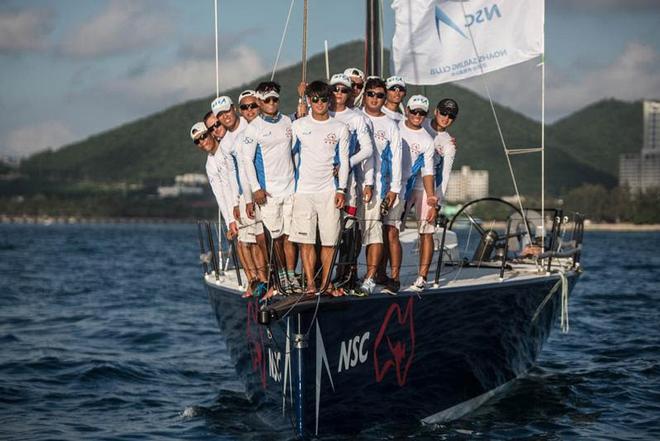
[582, 148]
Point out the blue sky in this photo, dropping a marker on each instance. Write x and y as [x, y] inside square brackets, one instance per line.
[72, 68]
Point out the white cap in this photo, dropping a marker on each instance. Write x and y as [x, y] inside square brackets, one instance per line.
[198, 129]
[267, 94]
[221, 104]
[354, 72]
[418, 102]
[341, 78]
[395, 81]
[247, 93]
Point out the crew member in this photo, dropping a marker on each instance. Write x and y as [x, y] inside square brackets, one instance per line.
[381, 213]
[247, 105]
[396, 92]
[269, 168]
[444, 116]
[317, 139]
[420, 186]
[357, 84]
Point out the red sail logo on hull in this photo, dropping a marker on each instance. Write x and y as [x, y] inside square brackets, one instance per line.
[394, 346]
[255, 342]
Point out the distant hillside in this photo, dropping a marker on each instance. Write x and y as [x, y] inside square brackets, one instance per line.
[157, 147]
[599, 133]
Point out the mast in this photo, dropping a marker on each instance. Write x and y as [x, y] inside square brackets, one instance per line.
[372, 65]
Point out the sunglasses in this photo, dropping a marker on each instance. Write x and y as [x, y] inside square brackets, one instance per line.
[216, 124]
[449, 114]
[316, 99]
[372, 94]
[341, 90]
[358, 86]
[397, 89]
[418, 112]
[249, 106]
[201, 138]
[272, 99]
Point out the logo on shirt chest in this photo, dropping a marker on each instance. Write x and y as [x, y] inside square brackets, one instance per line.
[289, 134]
[330, 139]
[247, 140]
[380, 136]
[415, 148]
[267, 134]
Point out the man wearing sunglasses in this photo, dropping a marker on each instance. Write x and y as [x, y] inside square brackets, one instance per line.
[317, 140]
[357, 85]
[247, 105]
[360, 150]
[251, 241]
[396, 92]
[267, 158]
[444, 116]
[382, 213]
[420, 189]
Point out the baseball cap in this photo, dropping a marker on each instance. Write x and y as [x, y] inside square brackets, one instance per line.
[198, 129]
[340, 78]
[418, 102]
[221, 104]
[395, 81]
[448, 105]
[247, 93]
[267, 94]
[354, 72]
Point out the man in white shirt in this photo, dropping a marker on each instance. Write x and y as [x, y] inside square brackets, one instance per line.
[357, 84]
[396, 92]
[248, 106]
[444, 116]
[420, 184]
[382, 207]
[269, 168]
[317, 140]
[250, 236]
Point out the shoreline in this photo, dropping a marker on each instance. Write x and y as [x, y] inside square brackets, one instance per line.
[73, 220]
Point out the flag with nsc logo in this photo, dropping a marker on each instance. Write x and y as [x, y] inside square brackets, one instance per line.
[437, 41]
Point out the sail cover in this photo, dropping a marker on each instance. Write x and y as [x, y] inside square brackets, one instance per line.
[433, 38]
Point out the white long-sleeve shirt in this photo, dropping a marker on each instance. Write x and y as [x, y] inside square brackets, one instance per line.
[396, 116]
[266, 155]
[418, 147]
[217, 173]
[360, 146]
[230, 147]
[445, 153]
[317, 145]
[387, 155]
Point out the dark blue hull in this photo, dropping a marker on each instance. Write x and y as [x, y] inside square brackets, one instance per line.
[380, 359]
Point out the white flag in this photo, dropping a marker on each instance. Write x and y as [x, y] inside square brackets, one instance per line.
[433, 38]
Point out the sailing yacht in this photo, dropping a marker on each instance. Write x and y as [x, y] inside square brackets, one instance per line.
[343, 364]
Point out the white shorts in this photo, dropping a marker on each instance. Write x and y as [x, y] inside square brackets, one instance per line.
[276, 214]
[248, 229]
[393, 218]
[418, 201]
[371, 224]
[310, 210]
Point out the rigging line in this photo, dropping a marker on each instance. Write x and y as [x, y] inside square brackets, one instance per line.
[217, 65]
[279, 50]
[304, 44]
[497, 122]
[380, 36]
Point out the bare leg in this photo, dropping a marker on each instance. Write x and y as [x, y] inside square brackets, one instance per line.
[395, 250]
[326, 261]
[245, 257]
[374, 257]
[259, 258]
[308, 255]
[291, 252]
[381, 270]
[425, 254]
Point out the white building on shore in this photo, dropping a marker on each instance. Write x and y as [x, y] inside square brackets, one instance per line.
[467, 184]
[188, 184]
[641, 171]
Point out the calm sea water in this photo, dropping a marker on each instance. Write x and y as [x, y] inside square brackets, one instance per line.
[106, 333]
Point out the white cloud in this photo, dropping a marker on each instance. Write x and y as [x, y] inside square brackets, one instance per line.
[631, 76]
[124, 25]
[24, 141]
[25, 30]
[188, 78]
